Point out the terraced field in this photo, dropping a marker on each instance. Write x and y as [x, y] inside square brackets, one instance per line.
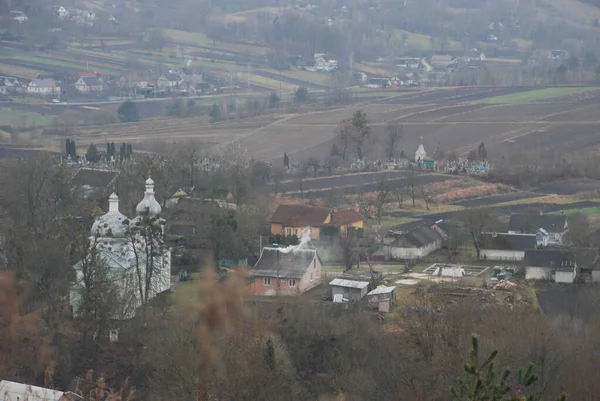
[447, 118]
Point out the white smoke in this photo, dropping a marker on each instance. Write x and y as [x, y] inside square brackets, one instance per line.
[304, 240]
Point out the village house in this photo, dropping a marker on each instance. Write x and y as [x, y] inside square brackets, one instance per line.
[60, 12]
[89, 84]
[295, 219]
[558, 54]
[408, 62]
[3, 88]
[285, 271]
[551, 264]
[323, 62]
[13, 391]
[18, 16]
[442, 61]
[555, 225]
[169, 80]
[94, 181]
[414, 244]
[377, 83]
[124, 254]
[46, 86]
[505, 246]
[348, 290]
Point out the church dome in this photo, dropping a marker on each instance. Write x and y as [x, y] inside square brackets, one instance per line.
[149, 204]
[112, 224]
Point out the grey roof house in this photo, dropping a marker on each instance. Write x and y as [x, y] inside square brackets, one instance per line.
[506, 246]
[286, 271]
[93, 181]
[414, 244]
[555, 264]
[555, 224]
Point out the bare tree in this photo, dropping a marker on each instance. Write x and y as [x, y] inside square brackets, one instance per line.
[145, 234]
[394, 135]
[411, 185]
[349, 244]
[474, 222]
[399, 191]
[344, 136]
[426, 194]
[360, 133]
[314, 164]
[383, 192]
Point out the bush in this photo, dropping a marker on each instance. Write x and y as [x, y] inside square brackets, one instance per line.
[301, 94]
[128, 112]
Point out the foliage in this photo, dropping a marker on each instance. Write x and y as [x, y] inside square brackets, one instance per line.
[70, 149]
[92, 155]
[128, 112]
[273, 100]
[301, 94]
[215, 113]
[484, 384]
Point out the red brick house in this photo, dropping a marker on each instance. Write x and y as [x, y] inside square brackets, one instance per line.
[281, 271]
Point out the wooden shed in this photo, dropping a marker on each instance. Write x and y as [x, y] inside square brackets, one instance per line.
[382, 298]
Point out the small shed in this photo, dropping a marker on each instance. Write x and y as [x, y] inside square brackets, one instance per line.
[349, 289]
[382, 298]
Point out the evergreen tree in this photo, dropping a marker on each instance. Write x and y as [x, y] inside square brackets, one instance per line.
[68, 147]
[128, 112]
[129, 151]
[112, 149]
[215, 112]
[122, 152]
[481, 152]
[484, 384]
[286, 160]
[108, 150]
[92, 154]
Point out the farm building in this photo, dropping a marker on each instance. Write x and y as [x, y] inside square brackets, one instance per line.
[285, 271]
[557, 265]
[414, 244]
[505, 246]
[382, 298]
[296, 219]
[555, 225]
[348, 289]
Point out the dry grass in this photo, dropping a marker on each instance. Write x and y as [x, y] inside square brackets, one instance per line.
[21, 72]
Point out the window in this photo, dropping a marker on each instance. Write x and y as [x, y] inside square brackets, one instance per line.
[311, 277]
[289, 231]
[292, 282]
[267, 280]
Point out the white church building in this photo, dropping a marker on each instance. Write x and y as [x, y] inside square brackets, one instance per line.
[133, 254]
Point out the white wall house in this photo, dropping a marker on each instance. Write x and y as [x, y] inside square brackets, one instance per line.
[123, 251]
[415, 244]
[551, 264]
[43, 87]
[505, 246]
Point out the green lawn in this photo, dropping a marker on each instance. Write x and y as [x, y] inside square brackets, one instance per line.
[586, 211]
[19, 118]
[534, 95]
